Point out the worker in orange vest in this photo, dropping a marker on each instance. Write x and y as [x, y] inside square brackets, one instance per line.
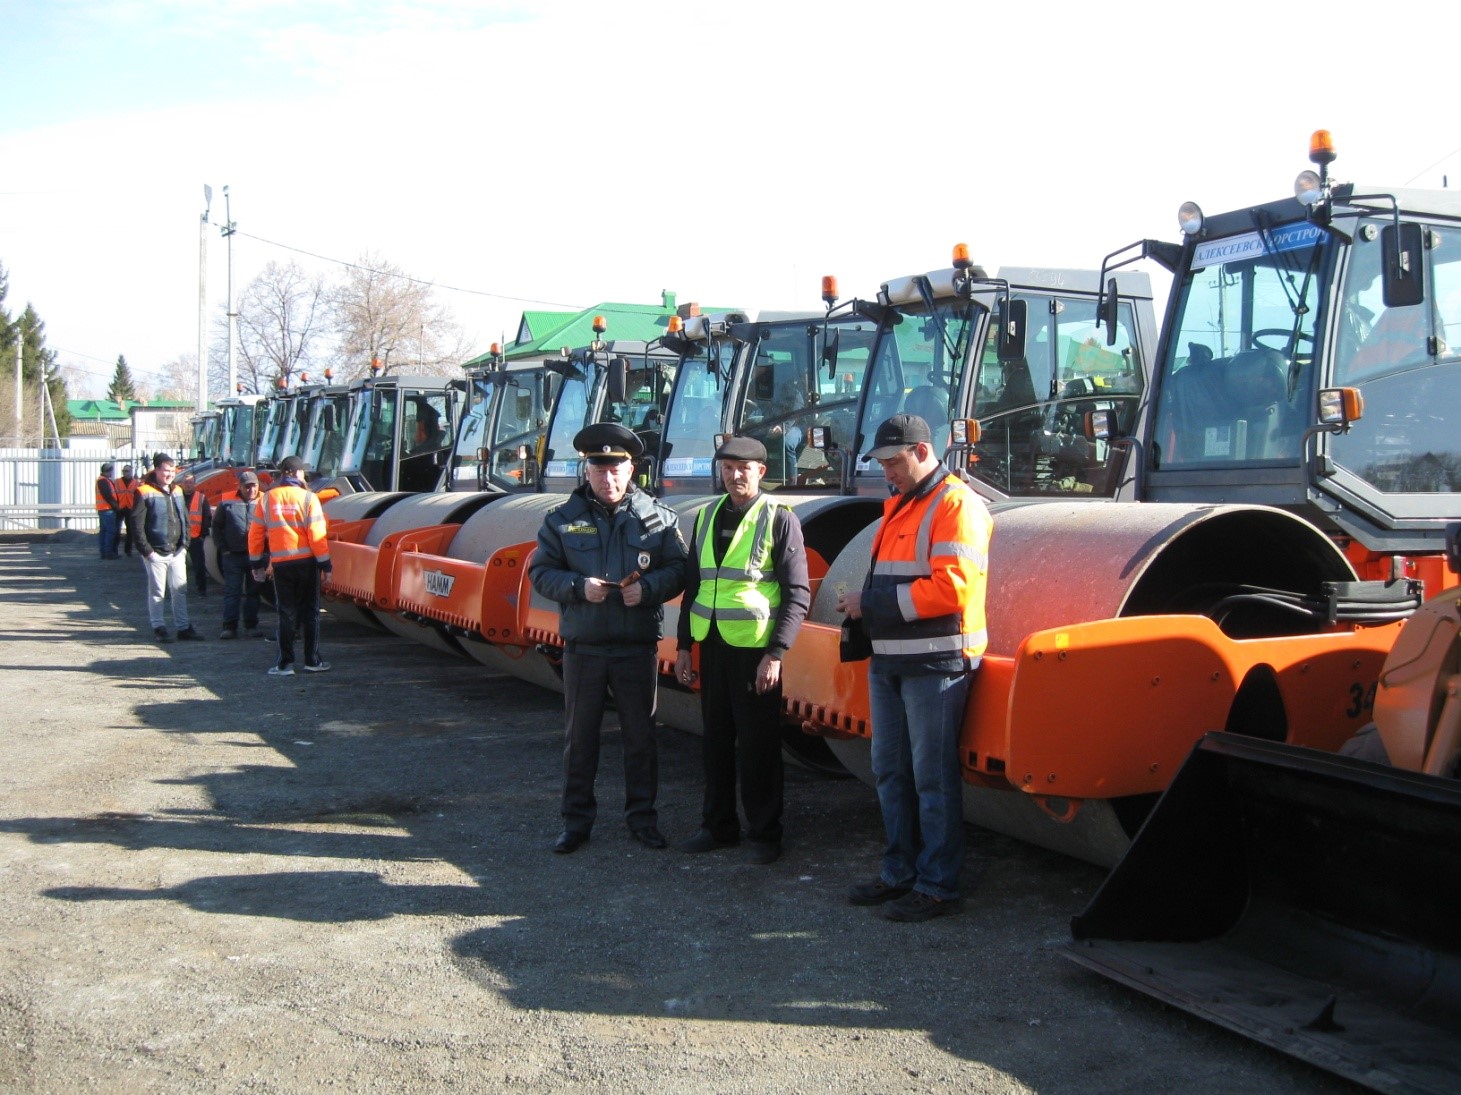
[200, 522]
[126, 503]
[108, 512]
[923, 611]
[287, 537]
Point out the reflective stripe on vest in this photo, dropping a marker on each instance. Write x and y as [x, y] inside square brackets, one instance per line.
[102, 505]
[922, 638]
[293, 522]
[195, 515]
[742, 594]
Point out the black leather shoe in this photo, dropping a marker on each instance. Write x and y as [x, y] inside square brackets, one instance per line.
[569, 841]
[764, 851]
[706, 841]
[876, 892]
[650, 837]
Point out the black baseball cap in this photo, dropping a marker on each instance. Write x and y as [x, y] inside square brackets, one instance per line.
[896, 434]
[292, 465]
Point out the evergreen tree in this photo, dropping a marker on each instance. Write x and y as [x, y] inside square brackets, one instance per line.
[7, 334]
[38, 365]
[122, 387]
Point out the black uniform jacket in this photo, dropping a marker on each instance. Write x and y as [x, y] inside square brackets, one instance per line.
[583, 539]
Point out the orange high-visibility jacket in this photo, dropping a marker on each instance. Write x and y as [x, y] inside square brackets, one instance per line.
[126, 493]
[924, 605]
[288, 525]
[195, 515]
[106, 495]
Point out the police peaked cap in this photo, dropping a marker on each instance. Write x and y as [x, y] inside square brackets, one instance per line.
[608, 439]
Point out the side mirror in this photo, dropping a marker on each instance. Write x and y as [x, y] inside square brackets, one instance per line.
[1403, 283]
[1013, 319]
[618, 380]
[831, 346]
[1110, 306]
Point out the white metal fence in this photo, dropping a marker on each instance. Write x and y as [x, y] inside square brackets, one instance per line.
[54, 488]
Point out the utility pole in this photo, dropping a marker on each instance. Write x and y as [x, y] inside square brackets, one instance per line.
[19, 391]
[228, 229]
[202, 401]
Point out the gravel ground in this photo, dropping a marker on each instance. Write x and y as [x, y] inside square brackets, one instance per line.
[211, 880]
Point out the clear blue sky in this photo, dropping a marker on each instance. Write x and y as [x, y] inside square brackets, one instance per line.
[574, 152]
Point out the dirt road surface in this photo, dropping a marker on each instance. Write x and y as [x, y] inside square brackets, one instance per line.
[215, 881]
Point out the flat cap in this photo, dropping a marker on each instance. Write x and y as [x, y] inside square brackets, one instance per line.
[608, 441]
[896, 434]
[741, 448]
[248, 477]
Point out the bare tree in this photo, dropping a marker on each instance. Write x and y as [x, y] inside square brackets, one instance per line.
[281, 318]
[381, 314]
[178, 379]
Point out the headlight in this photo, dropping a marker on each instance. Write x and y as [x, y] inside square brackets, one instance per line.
[1307, 188]
[1189, 218]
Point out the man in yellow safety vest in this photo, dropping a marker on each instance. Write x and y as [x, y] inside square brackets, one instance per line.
[746, 595]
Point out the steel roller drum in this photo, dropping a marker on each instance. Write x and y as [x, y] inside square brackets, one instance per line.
[827, 524]
[423, 511]
[1053, 564]
[358, 507]
[514, 519]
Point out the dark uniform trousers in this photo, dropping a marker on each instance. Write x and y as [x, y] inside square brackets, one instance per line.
[587, 681]
[741, 725]
[297, 600]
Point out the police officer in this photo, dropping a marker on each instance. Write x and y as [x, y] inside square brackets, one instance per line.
[746, 593]
[611, 556]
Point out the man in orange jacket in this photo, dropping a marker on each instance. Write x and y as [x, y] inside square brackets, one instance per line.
[108, 512]
[287, 536]
[923, 610]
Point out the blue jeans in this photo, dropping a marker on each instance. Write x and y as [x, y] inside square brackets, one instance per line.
[916, 721]
[108, 533]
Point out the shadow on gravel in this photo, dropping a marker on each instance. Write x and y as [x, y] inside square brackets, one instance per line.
[401, 754]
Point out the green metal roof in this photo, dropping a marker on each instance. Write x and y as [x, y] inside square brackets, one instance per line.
[109, 410]
[551, 331]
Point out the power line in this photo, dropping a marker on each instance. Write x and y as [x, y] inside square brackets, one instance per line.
[407, 277]
[1433, 166]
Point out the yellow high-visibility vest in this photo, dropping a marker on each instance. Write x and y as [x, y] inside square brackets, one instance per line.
[742, 593]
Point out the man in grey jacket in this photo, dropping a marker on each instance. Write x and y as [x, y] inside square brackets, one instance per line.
[611, 556]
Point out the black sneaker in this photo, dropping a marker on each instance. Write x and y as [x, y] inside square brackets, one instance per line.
[919, 906]
[190, 634]
[228, 633]
[161, 635]
[875, 892]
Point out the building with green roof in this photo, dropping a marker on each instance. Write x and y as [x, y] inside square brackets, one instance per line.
[544, 334]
